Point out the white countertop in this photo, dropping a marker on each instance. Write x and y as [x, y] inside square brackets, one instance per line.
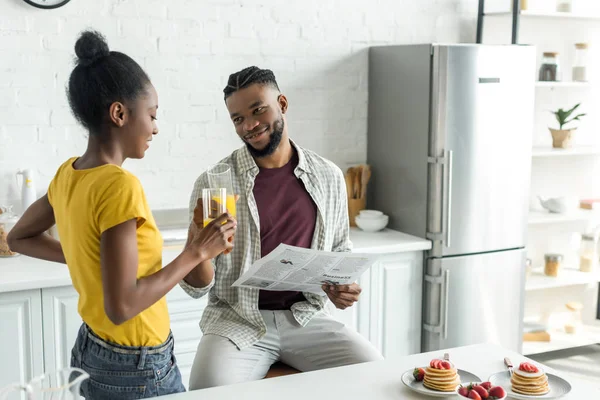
[22, 272]
[378, 380]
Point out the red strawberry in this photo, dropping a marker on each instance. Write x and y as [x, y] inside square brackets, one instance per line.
[419, 374]
[497, 392]
[435, 363]
[486, 385]
[483, 393]
[432, 363]
[528, 367]
[474, 395]
[446, 365]
[463, 391]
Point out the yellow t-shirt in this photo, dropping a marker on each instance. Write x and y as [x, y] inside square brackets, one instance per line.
[87, 203]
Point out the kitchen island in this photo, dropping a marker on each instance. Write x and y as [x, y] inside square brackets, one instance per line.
[378, 380]
[38, 306]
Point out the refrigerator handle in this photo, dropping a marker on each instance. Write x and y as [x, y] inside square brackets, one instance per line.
[445, 310]
[444, 281]
[448, 198]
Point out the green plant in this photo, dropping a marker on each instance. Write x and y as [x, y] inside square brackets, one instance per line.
[562, 116]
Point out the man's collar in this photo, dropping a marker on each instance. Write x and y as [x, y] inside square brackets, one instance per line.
[246, 161]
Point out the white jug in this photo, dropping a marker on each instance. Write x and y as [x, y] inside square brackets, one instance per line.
[28, 193]
[60, 385]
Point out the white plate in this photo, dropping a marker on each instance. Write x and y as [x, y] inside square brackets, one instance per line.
[558, 386]
[409, 380]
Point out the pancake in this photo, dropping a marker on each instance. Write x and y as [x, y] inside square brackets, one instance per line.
[442, 380]
[530, 383]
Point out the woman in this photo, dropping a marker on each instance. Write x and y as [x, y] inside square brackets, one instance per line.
[108, 237]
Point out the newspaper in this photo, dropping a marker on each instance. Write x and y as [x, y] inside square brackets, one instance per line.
[305, 270]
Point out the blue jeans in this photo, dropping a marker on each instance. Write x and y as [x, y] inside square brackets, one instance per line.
[123, 372]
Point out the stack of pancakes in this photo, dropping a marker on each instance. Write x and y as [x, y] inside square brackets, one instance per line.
[443, 380]
[529, 383]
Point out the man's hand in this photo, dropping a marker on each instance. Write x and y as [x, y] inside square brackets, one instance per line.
[343, 296]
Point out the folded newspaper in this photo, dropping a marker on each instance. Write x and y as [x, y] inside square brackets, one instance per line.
[306, 270]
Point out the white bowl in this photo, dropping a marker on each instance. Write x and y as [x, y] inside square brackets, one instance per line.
[372, 224]
[370, 213]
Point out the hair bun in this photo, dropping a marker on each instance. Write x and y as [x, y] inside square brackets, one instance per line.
[90, 47]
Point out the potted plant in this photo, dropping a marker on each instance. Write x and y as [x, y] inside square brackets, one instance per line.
[561, 138]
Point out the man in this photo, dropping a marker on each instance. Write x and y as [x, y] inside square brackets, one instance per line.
[287, 195]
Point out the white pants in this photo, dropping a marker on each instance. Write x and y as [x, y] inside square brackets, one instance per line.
[323, 343]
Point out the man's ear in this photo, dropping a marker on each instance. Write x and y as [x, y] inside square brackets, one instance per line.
[118, 114]
[283, 103]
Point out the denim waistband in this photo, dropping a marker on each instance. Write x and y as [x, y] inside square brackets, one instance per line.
[117, 348]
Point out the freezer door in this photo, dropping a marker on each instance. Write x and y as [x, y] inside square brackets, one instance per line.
[481, 128]
[474, 299]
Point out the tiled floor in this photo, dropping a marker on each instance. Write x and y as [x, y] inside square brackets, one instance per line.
[582, 362]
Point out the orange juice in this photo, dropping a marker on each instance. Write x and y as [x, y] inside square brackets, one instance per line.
[230, 206]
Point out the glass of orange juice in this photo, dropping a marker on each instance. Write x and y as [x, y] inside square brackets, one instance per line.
[213, 204]
[219, 176]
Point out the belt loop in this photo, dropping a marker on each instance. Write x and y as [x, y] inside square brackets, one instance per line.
[83, 333]
[142, 361]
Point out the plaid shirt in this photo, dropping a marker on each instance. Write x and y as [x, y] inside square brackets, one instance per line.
[233, 312]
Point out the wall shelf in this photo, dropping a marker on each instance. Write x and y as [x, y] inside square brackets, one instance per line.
[545, 14]
[559, 340]
[573, 151]
[562, 84]
[567, 277]
[545, 217]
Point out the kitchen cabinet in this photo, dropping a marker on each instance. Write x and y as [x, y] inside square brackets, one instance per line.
[389, 310]
[20, 337]
[61, 323]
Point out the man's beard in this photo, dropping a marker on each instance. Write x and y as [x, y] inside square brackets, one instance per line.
[274, 141]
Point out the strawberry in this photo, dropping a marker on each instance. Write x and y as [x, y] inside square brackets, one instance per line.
[446, 365]
[497, 392]
[435, 363]
[486, 385]
[463, 391]
[474, 395]
[432, 363]
[483, 393]
[419, 374]
[528, 367]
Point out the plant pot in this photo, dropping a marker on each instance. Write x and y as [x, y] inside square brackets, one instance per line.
[561, 138]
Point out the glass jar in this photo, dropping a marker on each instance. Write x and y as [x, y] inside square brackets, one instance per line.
[588, 254]
[580, 64]
[564, 5]
[7, 221]
[574, 322]
[553, 264]
[550, 69]
[528, 268]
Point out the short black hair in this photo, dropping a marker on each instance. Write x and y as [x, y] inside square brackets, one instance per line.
[100, 78]
[249, 76]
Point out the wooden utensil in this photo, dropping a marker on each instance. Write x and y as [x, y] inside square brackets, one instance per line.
[366, 175]
[348, 178]
[357, 179]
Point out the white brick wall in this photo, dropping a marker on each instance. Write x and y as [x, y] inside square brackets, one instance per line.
[317, 49]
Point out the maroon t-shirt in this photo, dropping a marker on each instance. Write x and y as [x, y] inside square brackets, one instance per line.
[287, 215]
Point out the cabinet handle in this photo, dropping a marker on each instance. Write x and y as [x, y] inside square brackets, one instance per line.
[444, 314]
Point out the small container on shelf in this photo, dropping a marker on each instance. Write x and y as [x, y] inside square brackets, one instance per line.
[553, 264]
[580, 63]
[550, 68]
[7, 221]
[564, 5]
[574, 323]
[588, 254]
[528, 268]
